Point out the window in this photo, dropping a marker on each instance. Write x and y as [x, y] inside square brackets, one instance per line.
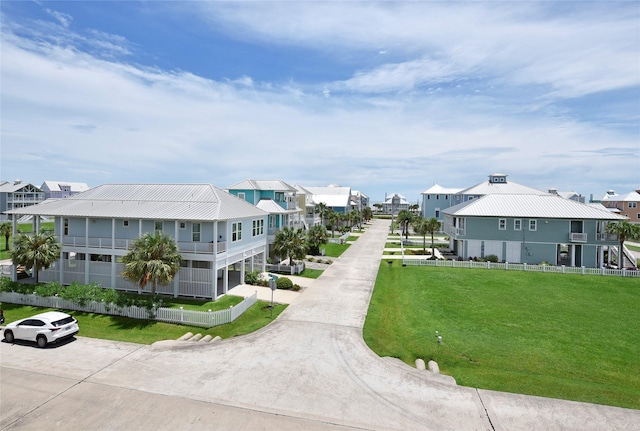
[502, 224]
[632, 204]
[236, 231]
[66, 226]
[437, 212]
[428, 197]
[195, 232]
[279, 196]
[446, 196]
[125, 223]
[158, 226]
[517, 224]
[241, 195]
[437, 197]
[183, 225]
[258, 227]
[533, 224]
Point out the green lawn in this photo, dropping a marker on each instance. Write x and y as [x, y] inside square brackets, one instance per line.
[334, 250]
[24, 228]
[148, 331]
[311, 273]
[561, 336]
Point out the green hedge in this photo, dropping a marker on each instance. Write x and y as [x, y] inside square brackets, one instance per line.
[81, 294]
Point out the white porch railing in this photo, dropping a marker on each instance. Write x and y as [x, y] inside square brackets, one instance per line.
[205, 319]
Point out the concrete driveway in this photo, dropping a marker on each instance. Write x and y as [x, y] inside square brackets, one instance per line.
[308, 370]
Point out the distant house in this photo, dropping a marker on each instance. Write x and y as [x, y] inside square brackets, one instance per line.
[395, 203]
[16, 194]
[274, 197]
[218, 235]
[336, 197]
[435, 199]
[627, 204]
[305, 201]
[531, 228]
[574, 196]
[62, 189]
[359, 200]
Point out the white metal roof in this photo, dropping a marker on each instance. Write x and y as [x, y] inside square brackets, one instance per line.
[633, 196]
[148, 201]
[56, 186]
[275, 185]
[270, 206]
[529, 206]
[437, 189]
[487, 187]
[331, 196]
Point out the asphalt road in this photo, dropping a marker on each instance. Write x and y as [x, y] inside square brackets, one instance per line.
[308, 370]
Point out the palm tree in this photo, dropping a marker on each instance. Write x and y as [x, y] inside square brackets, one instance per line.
[423, 227]
[6, 230]
[355, 217]
[316, 237]
[322, 208]
[414, 208]
[625, 231]
[154, 258]
[367, 213]
[35, 250]
[290, 242]
[334, 218]
[404, 218]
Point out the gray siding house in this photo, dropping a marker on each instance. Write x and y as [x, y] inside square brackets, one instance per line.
[531, 229]
[218, 235]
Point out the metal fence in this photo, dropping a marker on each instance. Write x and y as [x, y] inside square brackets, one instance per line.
[521, 267]
[205, 319]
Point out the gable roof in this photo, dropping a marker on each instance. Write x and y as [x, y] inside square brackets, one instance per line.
[529, 206]
[11, 187]
[488, 187]
[275, 185]
[56, 186]
[148, 201]
[633, 196]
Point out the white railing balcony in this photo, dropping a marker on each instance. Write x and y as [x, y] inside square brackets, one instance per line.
[577, 237]
[454, 231]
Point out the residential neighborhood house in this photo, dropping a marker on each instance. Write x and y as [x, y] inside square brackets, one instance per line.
[218, 235]
[627, 204]
[532, 228]
[62, 189]
[16, 194]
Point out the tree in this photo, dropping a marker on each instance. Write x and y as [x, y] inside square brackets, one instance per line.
[625, 231]
[378, 207]
[316, 237]
[367, 213]
[334, 219]
[6, 230]
[423, 227]
[322, 209]
[35, 250]
[152, 258]
[414, 208]
[404, 219]
[355, 218]
[290, 242]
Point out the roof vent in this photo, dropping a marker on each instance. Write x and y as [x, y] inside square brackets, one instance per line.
[17, 181]
[553, 191]
[611, 192]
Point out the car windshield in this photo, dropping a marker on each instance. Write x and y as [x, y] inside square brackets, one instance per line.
[63, 321]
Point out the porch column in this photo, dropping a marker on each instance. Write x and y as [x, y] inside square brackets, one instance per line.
[601, 255]
[244, 262]
[62, 263]
[572, 253]
[225, 285]
[214, 282]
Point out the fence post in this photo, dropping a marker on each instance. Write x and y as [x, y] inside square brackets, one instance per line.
[563, 269]
[583, 270]
[506, 266]
[602, 271]
[524, 266]
[182, 314]
[624, 272]
[488, 265]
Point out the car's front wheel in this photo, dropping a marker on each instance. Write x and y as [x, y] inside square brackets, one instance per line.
[8, 336]
[42, 341]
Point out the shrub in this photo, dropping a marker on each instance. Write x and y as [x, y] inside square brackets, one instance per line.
[284, 283]
[51, 288]
[492, 258]
[328, 261]
[296, 287]
[253, 277]
[310, 259]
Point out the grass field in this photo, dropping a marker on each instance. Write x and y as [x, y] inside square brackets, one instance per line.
[334, 250]
[561, 336]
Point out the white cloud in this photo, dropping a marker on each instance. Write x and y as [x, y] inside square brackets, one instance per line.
[88, 117]
[63, 18]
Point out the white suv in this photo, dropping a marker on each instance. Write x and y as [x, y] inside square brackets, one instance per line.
[42, 328]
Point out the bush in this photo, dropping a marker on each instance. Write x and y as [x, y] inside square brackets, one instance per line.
[296, 287]
[253, 277]
[492, 258]
[51, 288]
[284, 283]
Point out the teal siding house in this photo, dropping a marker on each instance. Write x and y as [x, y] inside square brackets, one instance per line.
[533, 229]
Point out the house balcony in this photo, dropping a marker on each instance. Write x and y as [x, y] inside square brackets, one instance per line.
[125, 244]
[577, 237]
[454, 232]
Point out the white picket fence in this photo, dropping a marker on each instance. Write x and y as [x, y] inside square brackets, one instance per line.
[521, 267]
[205, 319]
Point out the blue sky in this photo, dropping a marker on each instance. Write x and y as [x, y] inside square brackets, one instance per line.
[383, 97]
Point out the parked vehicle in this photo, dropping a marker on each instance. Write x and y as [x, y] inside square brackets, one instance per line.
[43, 328]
